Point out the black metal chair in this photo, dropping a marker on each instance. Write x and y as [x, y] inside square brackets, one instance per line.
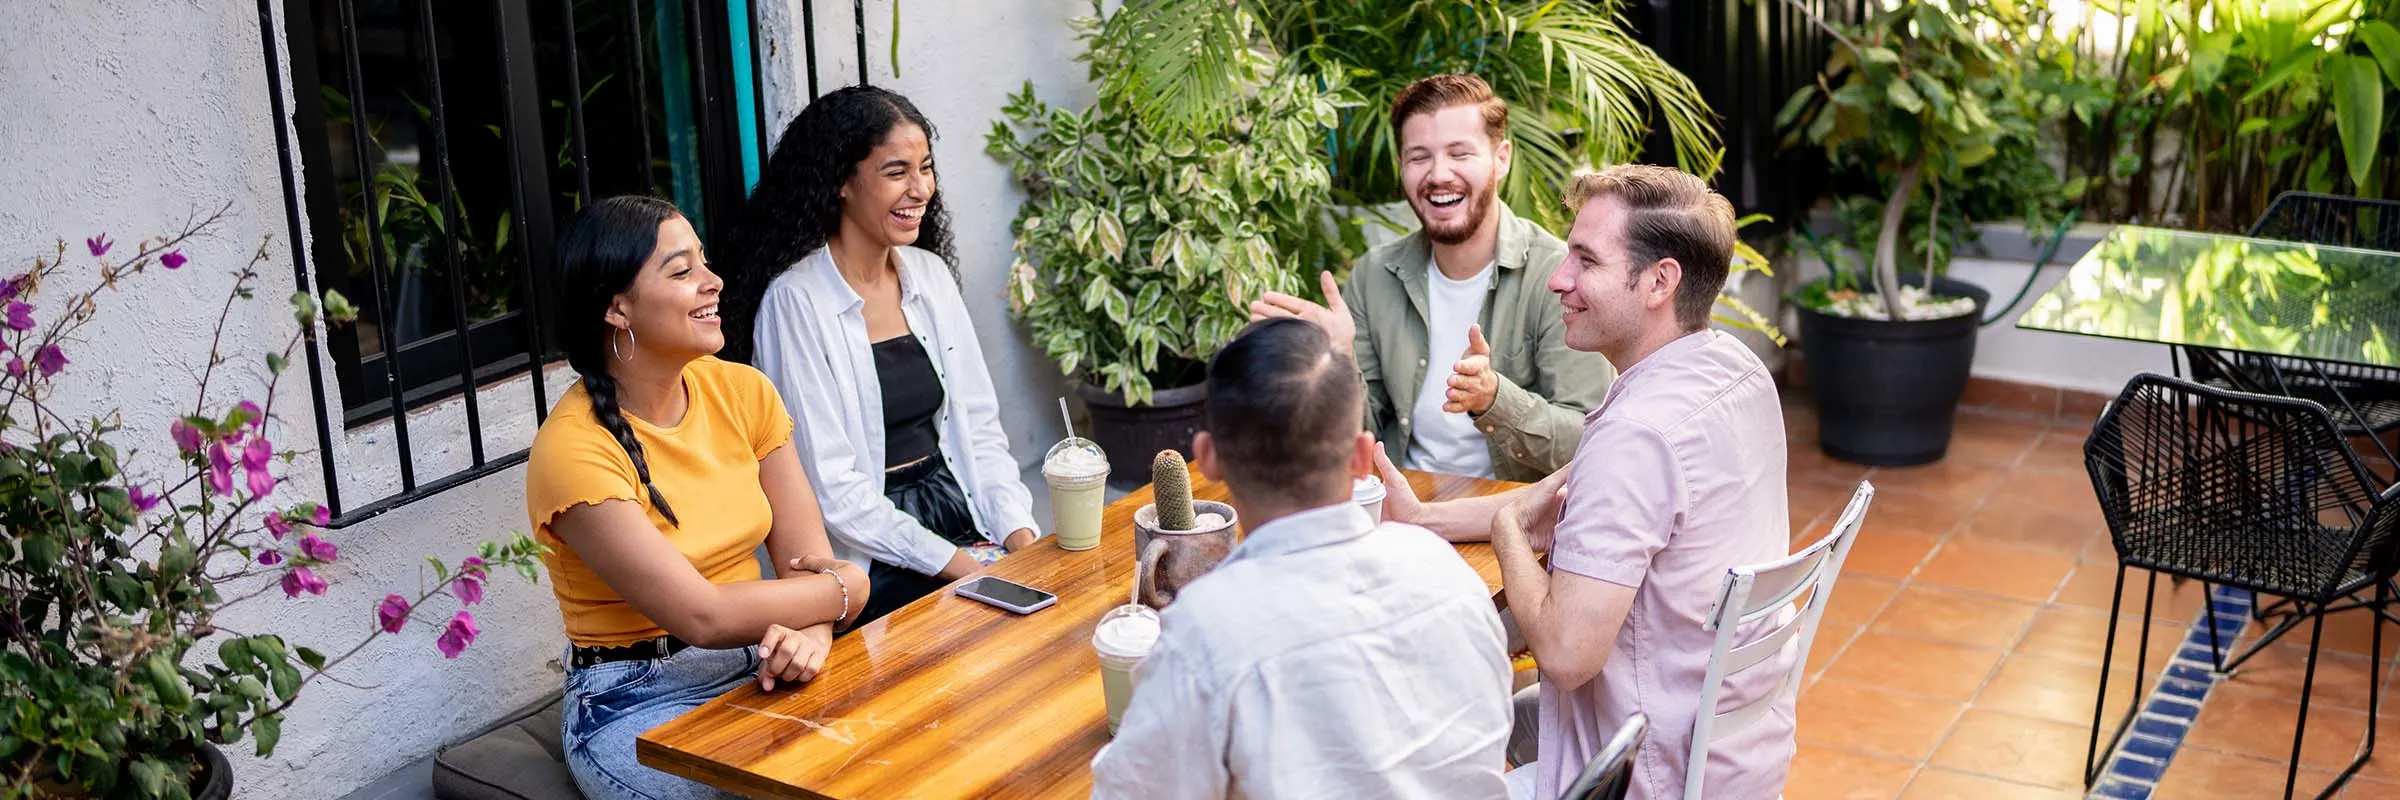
[1609, 775]
[2249, 491]
[2366, 400]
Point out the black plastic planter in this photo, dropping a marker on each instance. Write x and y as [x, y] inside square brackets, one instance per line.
[1133, 434]
[1887, 392]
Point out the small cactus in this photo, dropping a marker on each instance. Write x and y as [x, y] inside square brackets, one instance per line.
[1174, 489]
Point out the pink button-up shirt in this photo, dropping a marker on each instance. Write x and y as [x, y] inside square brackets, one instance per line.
[1680, 476]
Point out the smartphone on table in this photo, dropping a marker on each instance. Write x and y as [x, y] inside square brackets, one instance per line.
[1006, 594]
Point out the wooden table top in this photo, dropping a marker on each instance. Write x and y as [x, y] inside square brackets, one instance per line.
[948, 697]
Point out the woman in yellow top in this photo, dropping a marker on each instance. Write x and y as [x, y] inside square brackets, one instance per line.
[654, 481]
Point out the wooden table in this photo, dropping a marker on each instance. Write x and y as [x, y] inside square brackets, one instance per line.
[948, 697]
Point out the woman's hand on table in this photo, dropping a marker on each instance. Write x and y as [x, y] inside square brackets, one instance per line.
[792, 656]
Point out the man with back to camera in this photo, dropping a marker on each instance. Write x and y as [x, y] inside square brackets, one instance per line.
[1328, 655]
[1639, 542]
[1416, 313]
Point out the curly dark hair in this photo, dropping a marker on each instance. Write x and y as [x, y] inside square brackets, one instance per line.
[797, 204]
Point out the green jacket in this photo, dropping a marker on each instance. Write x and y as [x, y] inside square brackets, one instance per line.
[1545, 389]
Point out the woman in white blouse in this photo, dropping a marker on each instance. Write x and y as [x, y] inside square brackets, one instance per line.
[840, 291]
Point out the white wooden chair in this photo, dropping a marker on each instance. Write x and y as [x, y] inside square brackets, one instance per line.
[1763, 592]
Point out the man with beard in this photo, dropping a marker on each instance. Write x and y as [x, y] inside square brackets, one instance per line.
[1466, 367]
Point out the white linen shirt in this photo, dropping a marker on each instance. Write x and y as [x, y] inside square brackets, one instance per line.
[1328, 656]
[811, 341]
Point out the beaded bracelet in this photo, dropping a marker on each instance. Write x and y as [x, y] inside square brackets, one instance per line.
[838, 581]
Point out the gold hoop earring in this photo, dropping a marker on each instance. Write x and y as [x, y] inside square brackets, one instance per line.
[620, 352]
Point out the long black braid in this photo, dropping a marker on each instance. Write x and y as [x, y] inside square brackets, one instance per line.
[798, 202]
[601, 253]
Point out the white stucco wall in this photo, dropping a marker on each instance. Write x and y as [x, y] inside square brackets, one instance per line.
[959, 61]
[126, 117]
[116, 127]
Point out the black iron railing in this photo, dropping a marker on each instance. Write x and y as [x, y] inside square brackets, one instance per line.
[1748, 57]
[435, 147]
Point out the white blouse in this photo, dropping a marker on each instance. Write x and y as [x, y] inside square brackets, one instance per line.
[811, 341]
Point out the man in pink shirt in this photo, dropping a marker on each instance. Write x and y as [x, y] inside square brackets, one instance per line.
[1678, 477]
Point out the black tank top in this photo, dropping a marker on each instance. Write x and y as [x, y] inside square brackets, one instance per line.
[912, 395]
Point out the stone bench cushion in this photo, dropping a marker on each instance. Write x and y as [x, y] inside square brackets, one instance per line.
[519, 760]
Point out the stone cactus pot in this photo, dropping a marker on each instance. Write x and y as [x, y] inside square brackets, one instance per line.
[1171, 560]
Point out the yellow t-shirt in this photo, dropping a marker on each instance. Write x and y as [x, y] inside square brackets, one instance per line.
[706, 466]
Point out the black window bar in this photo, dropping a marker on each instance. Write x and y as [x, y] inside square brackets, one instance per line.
[539, 60]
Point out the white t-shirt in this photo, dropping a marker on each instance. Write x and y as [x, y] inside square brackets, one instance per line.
[1440, 442]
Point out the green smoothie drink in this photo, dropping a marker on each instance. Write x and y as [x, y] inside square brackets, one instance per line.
[1077, 471]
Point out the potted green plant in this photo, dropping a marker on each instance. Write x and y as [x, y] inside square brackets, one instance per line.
[120, 683]
[1139, 247]
[1934, 127]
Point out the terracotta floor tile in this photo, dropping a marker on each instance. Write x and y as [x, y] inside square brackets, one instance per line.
[2055, 689]
[2021, 573]
[2277, 672]
[1871, 721]
[1917, 666]
[2361, 787]
[1859, 600]
[2259, 724]
[1942, 784]
[2081, 635]
[2022, 749]
[1810, 500]
[2060, 450]
[2057, 491]
[1832, 640]
[2202, 774]
[2092, 583]
[1805, 458]
[1824, 773]
[1956, 481]
[1995, 443]
[1955, 616]
[2345, 632]
[1880, 552]
[2034, 523]
[1902, 509]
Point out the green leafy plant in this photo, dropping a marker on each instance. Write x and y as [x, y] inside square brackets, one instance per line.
[1937, 126]
[1581, 88]
[110, 588]
[1138, 247]
[2219, 106]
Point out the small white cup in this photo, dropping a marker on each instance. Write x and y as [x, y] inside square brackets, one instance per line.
[1367, 492]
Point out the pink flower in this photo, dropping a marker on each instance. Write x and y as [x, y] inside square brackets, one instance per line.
[460, 633]
[392, 613]
[277, 525]
[10, 289]
[269, 558]
[16, 367]
[319, 549]
[49, 360]
[321, 517]
[20, 316]
[172, 260]
[142, 499]
[300, 579]
[187, 438]
[252, 413]
[220, 470]
[473, 564]
[255, 458]
[99, 245]
[469, 588]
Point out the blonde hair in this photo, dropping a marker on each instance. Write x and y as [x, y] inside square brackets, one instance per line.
[1669, 214]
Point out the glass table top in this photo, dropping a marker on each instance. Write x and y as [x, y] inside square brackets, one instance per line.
[2230, 293]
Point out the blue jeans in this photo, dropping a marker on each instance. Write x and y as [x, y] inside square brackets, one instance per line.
[610, 704]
